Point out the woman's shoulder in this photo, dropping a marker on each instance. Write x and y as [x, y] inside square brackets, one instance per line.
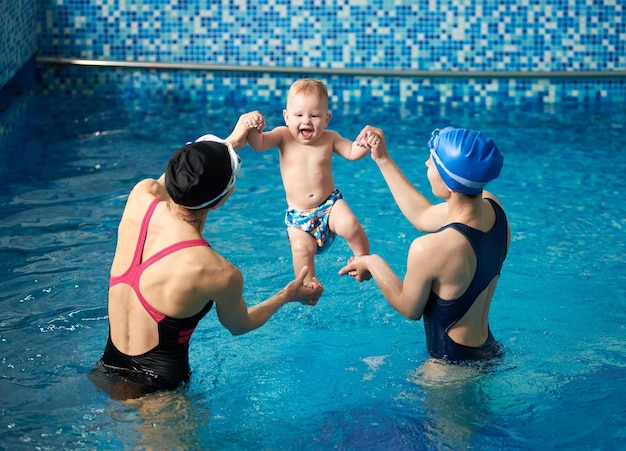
[489, 195]
[153, 187]
[146, 191]
[218, 275]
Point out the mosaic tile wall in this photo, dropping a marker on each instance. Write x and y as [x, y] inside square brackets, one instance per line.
[502, 35]
[245, 88]
[422, 35]
[17, 36]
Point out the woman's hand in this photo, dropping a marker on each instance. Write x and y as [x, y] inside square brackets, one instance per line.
[357, 268]
[374, 139]
[307, 293]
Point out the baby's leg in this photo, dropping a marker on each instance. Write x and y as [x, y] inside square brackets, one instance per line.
[303, 248]
[345, 224]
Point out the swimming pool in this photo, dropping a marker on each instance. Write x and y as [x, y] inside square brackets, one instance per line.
[349, 373]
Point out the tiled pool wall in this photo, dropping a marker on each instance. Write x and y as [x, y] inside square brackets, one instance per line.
[510, 50]
[17, 41]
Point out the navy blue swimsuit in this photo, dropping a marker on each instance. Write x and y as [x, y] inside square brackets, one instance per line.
[440, 315]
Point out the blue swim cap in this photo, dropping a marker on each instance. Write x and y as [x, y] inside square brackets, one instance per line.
[466, 160]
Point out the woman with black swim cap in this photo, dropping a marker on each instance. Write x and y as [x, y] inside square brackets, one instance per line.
[451, 273]
[165, 277]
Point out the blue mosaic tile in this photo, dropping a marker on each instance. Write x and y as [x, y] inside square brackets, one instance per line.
[17, 38]
[246, 88]
[505, 35]
[398, 35]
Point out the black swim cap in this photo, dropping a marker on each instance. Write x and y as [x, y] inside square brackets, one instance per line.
[197, 173]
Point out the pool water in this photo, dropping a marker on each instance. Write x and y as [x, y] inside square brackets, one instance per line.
[350, 373]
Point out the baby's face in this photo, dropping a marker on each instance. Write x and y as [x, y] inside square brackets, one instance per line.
[306, 117]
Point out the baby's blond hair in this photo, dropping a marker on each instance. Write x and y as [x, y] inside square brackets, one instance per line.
[309, 87]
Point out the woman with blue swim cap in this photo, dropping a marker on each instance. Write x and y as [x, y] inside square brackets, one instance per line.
[452, 272]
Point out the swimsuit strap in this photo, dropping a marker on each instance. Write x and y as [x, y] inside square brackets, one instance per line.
[173, 248]
[141, 241]
[143, 233]
[153, 312]
[137, 267]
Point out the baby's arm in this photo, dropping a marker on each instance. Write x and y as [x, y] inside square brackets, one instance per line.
[246, 122]
[257, 139]
[350, 150]
[260, 141]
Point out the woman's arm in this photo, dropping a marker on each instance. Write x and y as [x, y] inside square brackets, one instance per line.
[420, 212]
[408, 297]
[239, 319]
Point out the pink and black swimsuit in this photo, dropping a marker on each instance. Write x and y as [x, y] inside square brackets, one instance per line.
[167, 364]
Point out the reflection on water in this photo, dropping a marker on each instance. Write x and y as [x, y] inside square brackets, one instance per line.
[454, 401]
[166, 420]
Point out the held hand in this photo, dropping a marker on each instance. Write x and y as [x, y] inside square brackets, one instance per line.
[239, 136]
[253, 121]
[247, 121]
[306, 293]
[357, 269]
[374, 139]
[314, 285]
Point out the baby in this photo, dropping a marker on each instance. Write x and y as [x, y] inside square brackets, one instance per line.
[316, 210]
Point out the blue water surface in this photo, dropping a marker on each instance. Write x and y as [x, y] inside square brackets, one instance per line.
[350, 373]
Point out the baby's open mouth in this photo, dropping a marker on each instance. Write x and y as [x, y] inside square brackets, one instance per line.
[306, 133]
